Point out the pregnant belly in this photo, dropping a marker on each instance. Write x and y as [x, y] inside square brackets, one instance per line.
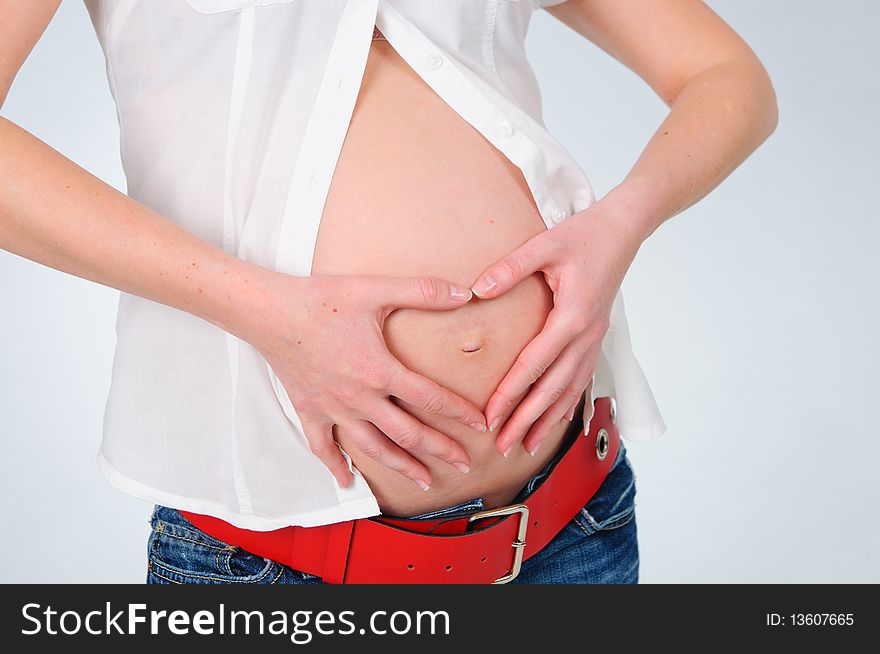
[418, 191]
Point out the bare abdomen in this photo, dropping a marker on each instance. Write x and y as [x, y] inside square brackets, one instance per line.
[418, 191]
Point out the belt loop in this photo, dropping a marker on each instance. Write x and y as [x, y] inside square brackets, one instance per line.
[336, 560]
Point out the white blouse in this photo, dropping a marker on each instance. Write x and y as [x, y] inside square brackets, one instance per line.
[232, 114]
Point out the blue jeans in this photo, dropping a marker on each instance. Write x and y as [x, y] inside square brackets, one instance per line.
[599, 545]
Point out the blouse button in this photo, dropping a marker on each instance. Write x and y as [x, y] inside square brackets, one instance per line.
[434, 60]
[504, 130]
[558, 216]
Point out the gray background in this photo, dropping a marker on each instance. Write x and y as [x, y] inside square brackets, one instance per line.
[751, 314]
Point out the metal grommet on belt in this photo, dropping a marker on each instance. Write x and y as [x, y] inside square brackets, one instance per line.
[602, 442]
[613, 410]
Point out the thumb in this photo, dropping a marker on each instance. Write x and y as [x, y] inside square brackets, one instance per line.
[506, 273]
[425, 293]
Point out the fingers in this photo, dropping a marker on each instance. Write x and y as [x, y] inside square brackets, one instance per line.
[574, 395]
[512, 403]
[528, 368]
[376, 445]
[546, 392]
[413, 435]
[513, 268]
[431, 397]
[422, 293]
[555, 412]
[323, 445]
[588, 370]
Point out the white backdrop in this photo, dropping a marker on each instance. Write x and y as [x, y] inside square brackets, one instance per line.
[752, 314]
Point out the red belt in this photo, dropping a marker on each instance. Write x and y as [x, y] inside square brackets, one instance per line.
[446, 550]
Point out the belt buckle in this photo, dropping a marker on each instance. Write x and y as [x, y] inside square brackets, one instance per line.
[519, 544]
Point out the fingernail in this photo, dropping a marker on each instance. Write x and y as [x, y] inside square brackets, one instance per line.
[534, 450]
[479, 426]
[485, 285]
[457, 293]
[422, 484]
[462, 467]
[508, 451]
[494, 423]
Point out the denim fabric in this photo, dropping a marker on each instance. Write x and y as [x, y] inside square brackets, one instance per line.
[599, 545]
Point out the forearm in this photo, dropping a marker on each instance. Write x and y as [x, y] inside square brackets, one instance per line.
[717, 120]
[58, 214]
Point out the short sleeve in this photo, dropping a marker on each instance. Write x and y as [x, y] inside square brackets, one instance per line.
[548, 3]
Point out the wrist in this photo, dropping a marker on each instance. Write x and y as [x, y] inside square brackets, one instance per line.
[250, 301]
[634, 206]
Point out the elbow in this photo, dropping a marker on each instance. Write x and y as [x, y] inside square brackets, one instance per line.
[766, 107]
[747, 85]
[760, 96]
[766, 102]
[772, 105]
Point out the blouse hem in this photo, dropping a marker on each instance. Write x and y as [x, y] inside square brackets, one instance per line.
[360, 508]
[642, 434]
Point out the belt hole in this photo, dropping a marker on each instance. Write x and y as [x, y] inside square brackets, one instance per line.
[411, 566]
[535, 523]
[448, 568]
[484, 559]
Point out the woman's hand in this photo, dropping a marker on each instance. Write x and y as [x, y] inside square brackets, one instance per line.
[325, 343]
[584, 260]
